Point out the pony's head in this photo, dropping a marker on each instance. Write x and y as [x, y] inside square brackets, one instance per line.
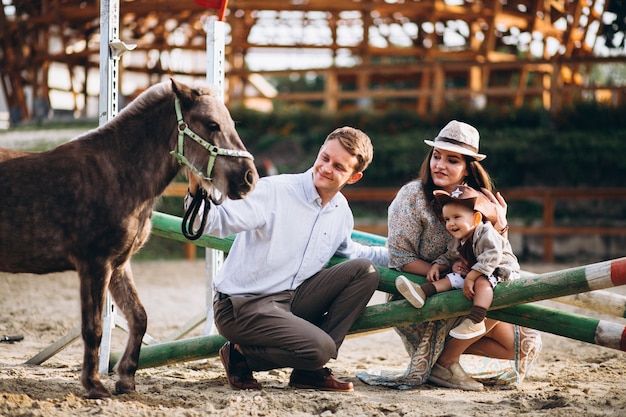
[209, 146]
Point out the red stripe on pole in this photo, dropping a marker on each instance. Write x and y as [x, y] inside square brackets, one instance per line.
[622, 342]
[214, 4]
[210, 4]
[618, 271]
[223, 7]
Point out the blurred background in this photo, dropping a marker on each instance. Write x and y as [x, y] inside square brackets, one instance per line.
[544, 81]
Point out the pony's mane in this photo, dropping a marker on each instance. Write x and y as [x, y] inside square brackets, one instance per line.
[204, 89]
[148, 98]
[158, 92]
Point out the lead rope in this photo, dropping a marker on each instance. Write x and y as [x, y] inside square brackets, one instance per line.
[192, 212]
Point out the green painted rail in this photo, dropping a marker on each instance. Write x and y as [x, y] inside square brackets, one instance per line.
[509, 303]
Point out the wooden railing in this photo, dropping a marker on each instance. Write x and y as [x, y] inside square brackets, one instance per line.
[547, 197]
[548, 229]
[428, 85]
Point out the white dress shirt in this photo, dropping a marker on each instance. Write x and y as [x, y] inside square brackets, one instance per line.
[283, 236]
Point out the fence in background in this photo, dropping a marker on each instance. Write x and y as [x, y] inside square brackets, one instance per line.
[547, 197]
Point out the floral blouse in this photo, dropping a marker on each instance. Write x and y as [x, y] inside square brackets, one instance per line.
[415, 231]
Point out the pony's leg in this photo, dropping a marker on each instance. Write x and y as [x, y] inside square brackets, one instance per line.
[94, 279]
[125, 294]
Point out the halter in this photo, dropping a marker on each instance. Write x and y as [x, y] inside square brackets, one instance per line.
[183, 129]
[201, 194]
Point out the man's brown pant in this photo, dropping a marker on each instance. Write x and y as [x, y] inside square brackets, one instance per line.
[301, 329]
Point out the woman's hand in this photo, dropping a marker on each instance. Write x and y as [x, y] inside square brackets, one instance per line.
[461, 267]
[501, 208]
[417, 267]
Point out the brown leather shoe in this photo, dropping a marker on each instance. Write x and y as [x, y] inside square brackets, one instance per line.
[237, 372]
[320, 379]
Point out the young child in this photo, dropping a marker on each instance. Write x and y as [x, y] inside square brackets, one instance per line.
[466, 213]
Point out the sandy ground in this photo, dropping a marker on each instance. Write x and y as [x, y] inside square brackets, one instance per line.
[571, 378]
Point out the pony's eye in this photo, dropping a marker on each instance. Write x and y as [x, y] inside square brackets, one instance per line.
[213, 127]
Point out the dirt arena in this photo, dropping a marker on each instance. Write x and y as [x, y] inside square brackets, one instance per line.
[571, 378]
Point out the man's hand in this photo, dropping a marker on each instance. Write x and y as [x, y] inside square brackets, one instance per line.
[193, 184]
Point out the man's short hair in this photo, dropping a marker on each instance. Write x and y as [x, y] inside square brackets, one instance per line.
[357, 143]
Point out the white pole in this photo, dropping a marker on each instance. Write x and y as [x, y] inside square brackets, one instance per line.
[215, 52]
[109, 18]
[215, 47]
[109, 15]
[111, 50]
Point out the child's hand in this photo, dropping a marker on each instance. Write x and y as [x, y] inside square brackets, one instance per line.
[468, 289]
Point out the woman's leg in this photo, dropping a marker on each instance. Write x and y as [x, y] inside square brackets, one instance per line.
[498, 342]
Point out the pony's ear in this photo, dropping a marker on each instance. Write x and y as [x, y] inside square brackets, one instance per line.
[185, 93]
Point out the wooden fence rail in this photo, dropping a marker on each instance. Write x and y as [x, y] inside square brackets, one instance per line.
[547, 197]
[429, 86]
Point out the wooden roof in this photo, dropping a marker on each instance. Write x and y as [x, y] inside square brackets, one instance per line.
[37, 33]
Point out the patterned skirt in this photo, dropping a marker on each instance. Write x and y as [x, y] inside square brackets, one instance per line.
[425, 341]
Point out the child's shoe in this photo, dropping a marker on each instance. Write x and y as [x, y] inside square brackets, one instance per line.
[468, 329]
[411, 291]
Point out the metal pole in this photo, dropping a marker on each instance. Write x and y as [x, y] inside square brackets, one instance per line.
[111, 50]
[109, 16]
[214, 258]
[215, 51]
[109, 10]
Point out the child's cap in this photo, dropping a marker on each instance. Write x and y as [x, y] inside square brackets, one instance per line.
[471, 198]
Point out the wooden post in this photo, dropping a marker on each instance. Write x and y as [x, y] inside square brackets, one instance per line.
[331, 86]
[548, 223]
[438, 88]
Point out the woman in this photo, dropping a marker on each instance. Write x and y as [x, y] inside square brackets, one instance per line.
[417, 236]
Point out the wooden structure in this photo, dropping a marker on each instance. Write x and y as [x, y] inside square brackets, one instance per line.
[423, 54]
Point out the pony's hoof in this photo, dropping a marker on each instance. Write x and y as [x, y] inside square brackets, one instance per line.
[98, 393]
[122, 387]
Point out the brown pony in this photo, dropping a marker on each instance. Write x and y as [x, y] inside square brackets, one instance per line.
[86, 205]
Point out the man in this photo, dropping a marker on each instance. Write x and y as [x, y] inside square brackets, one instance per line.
[275, 301]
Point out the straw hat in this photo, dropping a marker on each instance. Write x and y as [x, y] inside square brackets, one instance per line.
[471, 198]
[458, 137]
